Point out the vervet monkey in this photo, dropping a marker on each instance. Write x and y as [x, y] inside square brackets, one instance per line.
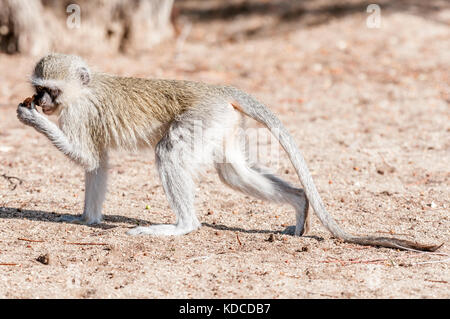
[98, 112]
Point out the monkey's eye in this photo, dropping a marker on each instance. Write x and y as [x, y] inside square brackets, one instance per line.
[54, 92]
[39, 89]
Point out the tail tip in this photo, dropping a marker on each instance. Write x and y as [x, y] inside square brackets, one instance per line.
[434, 247]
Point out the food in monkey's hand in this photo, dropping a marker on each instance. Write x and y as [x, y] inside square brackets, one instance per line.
[29, 102]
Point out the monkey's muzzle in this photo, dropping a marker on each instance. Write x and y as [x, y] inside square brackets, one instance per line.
[32, 102]
[48, 110]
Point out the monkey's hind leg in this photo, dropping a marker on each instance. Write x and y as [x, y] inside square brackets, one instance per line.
[175, 167]
[253, 181]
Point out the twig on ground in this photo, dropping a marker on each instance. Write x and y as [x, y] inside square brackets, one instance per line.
[438, 281]
[85, 244]
[322, 294]
[355, 246]
[354, 261]
[31, 240]
[10, 180]
[239, 241]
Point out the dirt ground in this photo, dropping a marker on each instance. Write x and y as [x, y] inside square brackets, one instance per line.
[369, 108]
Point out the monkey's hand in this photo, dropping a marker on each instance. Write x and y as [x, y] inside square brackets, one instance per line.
[28, 115]
[31, 117]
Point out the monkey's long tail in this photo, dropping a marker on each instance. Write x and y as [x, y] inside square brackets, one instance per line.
[252, 108]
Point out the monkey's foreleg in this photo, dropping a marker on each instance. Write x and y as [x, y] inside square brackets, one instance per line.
[94, 196]
[96, 171]
[175, 170]
[31, 117]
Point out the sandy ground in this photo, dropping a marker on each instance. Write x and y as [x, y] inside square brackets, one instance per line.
[369, 108]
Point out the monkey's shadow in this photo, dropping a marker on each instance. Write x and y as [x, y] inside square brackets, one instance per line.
[287, 231]
[39, 215]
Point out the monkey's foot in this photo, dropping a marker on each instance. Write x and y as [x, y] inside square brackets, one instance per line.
[293, 231]
[161, 230]
[79, 219]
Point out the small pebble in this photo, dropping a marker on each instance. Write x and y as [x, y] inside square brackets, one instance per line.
[44, 259]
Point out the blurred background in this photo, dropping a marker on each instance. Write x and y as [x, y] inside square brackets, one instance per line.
[233, 39]
[37, 26]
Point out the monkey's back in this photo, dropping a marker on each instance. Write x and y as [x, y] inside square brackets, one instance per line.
[158, 98]
[132, 111]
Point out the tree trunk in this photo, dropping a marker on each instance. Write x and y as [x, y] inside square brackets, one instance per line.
[145, 23]
[35, 26]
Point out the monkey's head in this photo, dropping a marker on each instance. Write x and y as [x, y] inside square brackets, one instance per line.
[59, 79]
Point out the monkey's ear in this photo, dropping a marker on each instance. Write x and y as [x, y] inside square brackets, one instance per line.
[85, 76]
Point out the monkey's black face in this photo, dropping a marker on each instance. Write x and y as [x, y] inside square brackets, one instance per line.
[46, 98]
